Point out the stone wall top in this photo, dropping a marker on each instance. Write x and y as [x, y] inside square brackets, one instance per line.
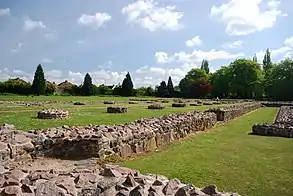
[111, 180]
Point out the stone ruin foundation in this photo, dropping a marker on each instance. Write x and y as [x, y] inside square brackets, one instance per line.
[282, 127]
[116, 109]
[22, 152]
[52, 114]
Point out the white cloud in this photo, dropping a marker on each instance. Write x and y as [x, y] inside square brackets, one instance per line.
[161, 57]
[196, 56]
[46, 60]
[17, 48]
[281, 53]
[196, 41]
[149, 15]
[243, 17]
[152, 76]
[235, 44]
[99, 76]
[30, 25]
[289, 41]
[6, 74]
[96, 20]
[277, 54]
[5, 12]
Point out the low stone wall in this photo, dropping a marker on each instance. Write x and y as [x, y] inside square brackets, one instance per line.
[282, 127]
[277, 103]
[279, 130]
[52, 114]
[78, 142]
[14, 145]
[109, 181]
[117, 109]
[285, 116]
[81, 142]
[131, 138]
[228, 113]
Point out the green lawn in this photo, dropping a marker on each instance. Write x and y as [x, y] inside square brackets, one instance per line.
[228, 157]
[24, 117]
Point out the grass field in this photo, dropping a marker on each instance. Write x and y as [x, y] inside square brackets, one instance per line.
[24, 117]
[228, 157]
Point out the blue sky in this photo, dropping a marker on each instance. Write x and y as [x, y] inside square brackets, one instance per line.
[151, 39]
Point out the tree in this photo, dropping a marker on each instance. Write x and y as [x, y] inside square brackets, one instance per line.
[104, 90]
[127, 86]
[254, 58]
[267, 63]
[194, 80]
[50, 88]
[280, 81]
[246, 78]
[221, 81]
[87, 87]
[170, 87]
[39, 82]
[162, 90]
[205, 66]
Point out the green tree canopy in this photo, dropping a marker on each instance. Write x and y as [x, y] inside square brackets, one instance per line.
[170, 87]
[39, 82]
[267, 62]
[127, 86]
[246, 78]
[162, 90]
[280, 81]
[192, 83]
[87, 87]
[221, 81]
[205, 66]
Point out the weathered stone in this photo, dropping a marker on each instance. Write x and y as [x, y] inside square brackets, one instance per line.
[52, 114]
[68, 185]
[156, 107]
[129, 182]
[210, 190]
[138, 191]
[189, 190]
[11, 191]
[109, 172]
[26, 189]
[157, 183]
[117, 109]
[171, 187]
[48, 188]
[178, 105]
[109, 102]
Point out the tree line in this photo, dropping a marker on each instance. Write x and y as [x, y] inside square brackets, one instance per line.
[242, 78]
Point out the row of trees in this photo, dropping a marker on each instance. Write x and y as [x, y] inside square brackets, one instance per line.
[243, 78]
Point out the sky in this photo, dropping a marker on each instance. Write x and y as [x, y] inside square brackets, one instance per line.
[151, 39]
